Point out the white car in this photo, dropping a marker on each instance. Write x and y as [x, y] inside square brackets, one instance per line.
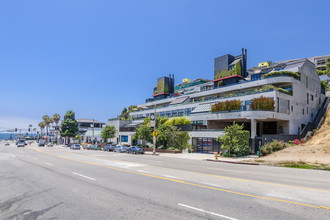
[7, 143]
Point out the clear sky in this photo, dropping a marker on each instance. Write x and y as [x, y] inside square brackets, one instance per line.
[97, 56]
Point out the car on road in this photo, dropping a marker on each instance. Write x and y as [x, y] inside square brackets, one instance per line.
[50, 145]
[7, 143]
[21, 144]
[41, 144]
[120, 149]
[75, 147]
[135, 150]
[109, 147]
[87, 146]
[96, 147]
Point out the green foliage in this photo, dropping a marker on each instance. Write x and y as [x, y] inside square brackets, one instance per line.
[267, 87]
[322, 72]
[262, 103]
[144, 132]
[69, 126]
[56, 118]
[325, 83]
[272, 147]
[285, 91]
[124, 114]
[108, 132]
[176, 138]
[235, 140]
[226, 106]
[237, 69]
[283, 73]
[178, 121]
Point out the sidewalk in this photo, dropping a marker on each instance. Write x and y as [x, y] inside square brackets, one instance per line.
[200, 156]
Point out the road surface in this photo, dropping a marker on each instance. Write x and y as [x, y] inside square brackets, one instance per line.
[59, 183]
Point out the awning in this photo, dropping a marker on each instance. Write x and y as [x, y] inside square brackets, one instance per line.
[202, 108]
[179, 100]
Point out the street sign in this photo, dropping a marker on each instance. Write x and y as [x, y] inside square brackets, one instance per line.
[152, 117]
[152, 123]
[155, 133]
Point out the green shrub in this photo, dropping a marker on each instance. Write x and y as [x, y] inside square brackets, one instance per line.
[262, 103]
[226, 106]
[285, 91]
[178, 121]
[272, 147]
[283, 73]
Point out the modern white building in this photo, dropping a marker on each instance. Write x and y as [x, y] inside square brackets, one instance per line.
[298, 100]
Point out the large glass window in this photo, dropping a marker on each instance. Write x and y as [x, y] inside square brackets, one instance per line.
[168, 113]
[187, 111]
[181, 112]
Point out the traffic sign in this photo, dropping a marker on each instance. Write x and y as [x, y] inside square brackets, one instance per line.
[152, 117]
[155, 133]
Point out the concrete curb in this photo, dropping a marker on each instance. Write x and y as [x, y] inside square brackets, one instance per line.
[225, 161]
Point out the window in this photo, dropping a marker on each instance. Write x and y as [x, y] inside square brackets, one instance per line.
[306, 82]
[303, 111]
[277, 104]
[187, 111]
[292, 108]
[288, 110]
[307, 110]
[124, 138]
[319, 101]
[168, 113]
[312, 97]
[307, 98]
[312, 115]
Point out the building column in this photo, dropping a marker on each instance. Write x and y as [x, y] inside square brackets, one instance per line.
[253, 128]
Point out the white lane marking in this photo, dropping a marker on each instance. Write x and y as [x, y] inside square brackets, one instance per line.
[171, 177]
[201, 210]
[215, 185]
[215, 169]
[143, 171]
[49, 164]
[83, 176]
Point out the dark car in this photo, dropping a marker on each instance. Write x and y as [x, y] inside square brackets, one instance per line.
[7, 143]
[75, 147]
[135, 150]
[41, 144]
[120, 149]
[109, 147]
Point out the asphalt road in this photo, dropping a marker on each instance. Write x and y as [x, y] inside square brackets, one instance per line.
[59, 183]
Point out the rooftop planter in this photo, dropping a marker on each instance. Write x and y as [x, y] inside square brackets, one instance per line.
[295, 75]
[263, 103]
[226, 106]
[285, 91]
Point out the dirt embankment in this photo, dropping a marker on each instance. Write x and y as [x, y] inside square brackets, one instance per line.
[316, 151]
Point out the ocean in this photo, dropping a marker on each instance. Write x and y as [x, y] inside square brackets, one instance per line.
[6, 136]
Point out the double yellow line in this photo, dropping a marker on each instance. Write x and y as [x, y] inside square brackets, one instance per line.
[188, 183]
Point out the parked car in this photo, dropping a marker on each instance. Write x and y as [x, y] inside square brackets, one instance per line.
[50, 145]
[96, 147]
[41, 144]
[109, 147]
[135, 150]
[21, 144]
[22, 141]
[120, 149]
[7, 143]
[87, 146]
[75, 147]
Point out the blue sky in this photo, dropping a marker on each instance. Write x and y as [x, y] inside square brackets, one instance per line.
[96, 57]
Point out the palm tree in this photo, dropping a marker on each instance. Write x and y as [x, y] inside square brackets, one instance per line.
[56, 119]
[42, 126]
[46, 119]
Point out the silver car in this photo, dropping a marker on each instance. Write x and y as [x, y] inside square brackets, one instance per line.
[121, 149]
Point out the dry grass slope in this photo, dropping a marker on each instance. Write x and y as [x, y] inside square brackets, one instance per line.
[315, 152]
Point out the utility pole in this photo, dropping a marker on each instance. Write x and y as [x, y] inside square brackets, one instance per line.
[93, 131]
[154, 137]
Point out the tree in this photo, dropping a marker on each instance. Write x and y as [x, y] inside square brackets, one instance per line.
[124, 114]
[34, 129]
[47, 121]
[235, 140]
[56, 118]
[176, 138]
[42, 126]
[78, 137]
[69, 126]
[143, 132]
[108, 132]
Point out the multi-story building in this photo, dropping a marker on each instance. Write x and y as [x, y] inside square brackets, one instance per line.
[88, 124]
[297, 97]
